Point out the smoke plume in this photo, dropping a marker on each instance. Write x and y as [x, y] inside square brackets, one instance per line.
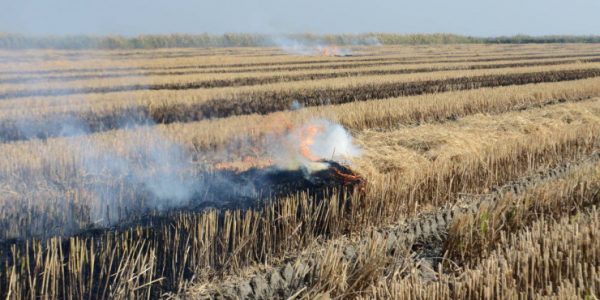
[308, 145]
[319, 46]
[101, 179]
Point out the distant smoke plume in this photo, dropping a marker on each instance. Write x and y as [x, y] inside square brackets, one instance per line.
[316, 45]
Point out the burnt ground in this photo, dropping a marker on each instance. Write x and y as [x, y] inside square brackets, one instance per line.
[229, 190]
[256, 185]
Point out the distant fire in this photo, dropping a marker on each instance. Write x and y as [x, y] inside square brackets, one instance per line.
[330, 51]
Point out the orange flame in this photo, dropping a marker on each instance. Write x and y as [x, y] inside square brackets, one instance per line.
[301, 145]
[330, 51]
[347, 178]
[307, 139]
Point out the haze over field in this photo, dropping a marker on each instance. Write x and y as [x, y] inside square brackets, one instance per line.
[468, 17]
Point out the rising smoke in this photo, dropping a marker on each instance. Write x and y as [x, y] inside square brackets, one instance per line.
[111, 176]
[319, 46]
[141, 171]
[166, 176]
[306, 146]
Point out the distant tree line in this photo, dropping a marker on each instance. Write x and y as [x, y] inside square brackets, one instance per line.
[18, 41]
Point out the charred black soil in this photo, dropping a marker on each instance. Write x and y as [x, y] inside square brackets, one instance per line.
[228, 190]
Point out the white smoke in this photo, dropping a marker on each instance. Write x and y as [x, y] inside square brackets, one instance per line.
[333, 143]
[298, 46]
[315, 45]
[137, 170]
[310, 145]
[149, 172]
[144, 172]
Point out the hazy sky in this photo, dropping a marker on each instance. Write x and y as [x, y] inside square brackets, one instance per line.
[132, 17]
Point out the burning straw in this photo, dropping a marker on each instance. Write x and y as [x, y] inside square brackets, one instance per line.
[154, 175]
[307, 158]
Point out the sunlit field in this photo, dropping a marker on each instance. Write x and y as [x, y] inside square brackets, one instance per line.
[463, 171]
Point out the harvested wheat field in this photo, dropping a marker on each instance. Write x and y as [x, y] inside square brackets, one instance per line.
[463, 171]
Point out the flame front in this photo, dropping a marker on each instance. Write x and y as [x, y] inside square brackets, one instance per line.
[347, 179]
[330, 51]
[307, 139]
[308, 146]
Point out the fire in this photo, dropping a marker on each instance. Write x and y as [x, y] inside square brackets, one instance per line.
[348, 178]
[307, 139]
[309, 147]
[330, 51]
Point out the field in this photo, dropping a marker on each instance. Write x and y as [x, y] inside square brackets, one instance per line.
[462, 171]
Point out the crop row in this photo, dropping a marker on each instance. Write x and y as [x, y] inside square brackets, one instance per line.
[143, 261]
[290, 63]
[267, 101]
[425, 237]
[257, 80]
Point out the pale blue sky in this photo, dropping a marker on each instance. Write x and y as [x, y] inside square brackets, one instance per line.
[470, 17]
